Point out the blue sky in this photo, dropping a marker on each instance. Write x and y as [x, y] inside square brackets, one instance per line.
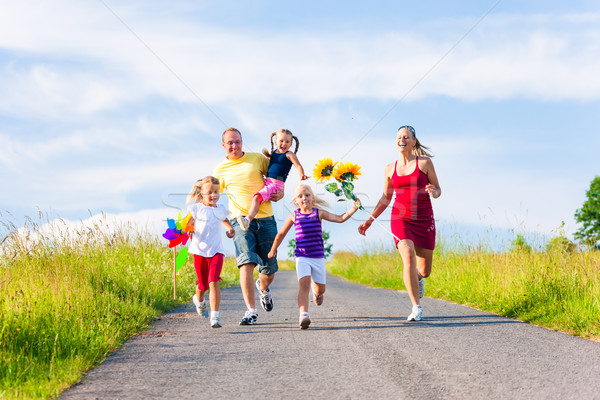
[117, 107]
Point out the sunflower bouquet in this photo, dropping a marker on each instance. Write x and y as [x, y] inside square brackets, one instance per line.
[344, 174]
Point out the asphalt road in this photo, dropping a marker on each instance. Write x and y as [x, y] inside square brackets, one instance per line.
[359, 345]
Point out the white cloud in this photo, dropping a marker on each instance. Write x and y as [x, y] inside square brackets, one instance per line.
[547, 57]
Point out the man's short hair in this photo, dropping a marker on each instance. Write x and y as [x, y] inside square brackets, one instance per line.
[230, 130]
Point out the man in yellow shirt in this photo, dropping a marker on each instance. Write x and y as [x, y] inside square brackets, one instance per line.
[241, 176]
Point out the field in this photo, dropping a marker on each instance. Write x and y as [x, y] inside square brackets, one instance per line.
[66, 301]
[556, 289]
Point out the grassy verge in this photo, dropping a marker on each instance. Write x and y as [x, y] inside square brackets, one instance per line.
[66, 302]
[557, 290]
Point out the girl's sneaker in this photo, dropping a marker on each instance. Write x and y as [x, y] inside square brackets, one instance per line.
[215, 322]
[244, 222]
[304, 321]
[416, 314]
[318, 299]
[202, 309]
[421, 287]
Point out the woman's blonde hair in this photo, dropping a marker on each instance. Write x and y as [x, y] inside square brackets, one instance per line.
[195, 195]
[317, 201]
[285, 132]
[419, 149]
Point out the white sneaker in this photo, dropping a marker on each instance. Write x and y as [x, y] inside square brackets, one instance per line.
[201, 309]
[215, 322]
[304, 321]
[244, 222]
[416, 314]
[250, 318]
[266, 300]
[421, 287]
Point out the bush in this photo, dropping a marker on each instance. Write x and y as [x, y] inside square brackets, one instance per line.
[520, 245]
[560, 244]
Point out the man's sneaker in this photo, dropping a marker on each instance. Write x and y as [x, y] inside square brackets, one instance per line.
[266, 300]
[249, 318]
[244, 222]
[416, 314]
[215, 322]
[202, 309]
[304, 321]
[421, 287]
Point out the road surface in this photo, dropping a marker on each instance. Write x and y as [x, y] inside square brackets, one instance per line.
[358, 346]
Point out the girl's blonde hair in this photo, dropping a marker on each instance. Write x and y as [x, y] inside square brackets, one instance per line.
[195, 195]
[317, 201]
[285, 132]
[419, 149]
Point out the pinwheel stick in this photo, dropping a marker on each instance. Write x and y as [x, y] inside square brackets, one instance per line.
[174, 273]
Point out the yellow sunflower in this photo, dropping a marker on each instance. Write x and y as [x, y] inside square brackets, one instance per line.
[323, 169]
[346, 172]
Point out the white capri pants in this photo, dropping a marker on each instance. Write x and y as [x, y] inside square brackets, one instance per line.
[313, 267]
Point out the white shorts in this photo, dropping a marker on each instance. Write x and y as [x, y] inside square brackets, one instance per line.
[313, 267]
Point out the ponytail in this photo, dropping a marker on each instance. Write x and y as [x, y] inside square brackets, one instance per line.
[274, 134]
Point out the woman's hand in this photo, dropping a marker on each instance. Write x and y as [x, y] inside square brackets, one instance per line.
[230, 233]
[362, 229]
[433, 191]
[272, 254]
[304, 177]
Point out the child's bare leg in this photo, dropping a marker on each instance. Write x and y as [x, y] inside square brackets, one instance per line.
[253, 210]
[200, 294]
[303, 291]
[215, 296]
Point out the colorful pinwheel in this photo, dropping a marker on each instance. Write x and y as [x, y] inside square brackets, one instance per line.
[177, 234]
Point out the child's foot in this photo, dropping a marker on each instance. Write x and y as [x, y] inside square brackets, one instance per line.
[416, 314]
[201, 308]
[215, 322]
[318, 299]
[304, 321]
[244, 222]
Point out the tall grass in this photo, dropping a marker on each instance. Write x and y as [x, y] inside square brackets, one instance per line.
[556, 289]
[67, 299]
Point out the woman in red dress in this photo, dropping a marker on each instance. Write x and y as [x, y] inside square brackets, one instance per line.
[412, 178]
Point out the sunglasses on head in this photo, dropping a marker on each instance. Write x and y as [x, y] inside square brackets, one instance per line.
[410, 128]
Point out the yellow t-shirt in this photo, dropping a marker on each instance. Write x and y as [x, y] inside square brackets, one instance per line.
[241, 179]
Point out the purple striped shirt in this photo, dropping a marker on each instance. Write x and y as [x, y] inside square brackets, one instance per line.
[309, 235]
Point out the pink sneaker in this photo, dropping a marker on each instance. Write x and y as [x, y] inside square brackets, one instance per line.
[304, 321]
[318, 299]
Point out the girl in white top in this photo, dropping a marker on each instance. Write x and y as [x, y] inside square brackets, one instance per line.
[206, 245]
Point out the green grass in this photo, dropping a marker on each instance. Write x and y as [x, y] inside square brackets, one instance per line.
[557, 289]
[66, 302]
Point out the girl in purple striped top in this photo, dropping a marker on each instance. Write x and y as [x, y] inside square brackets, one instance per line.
[310, 255]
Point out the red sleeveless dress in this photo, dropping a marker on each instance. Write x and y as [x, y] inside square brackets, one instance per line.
[412, 214]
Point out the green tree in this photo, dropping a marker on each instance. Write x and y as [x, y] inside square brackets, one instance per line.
[326, 244]
[520, 245]
[589, 215]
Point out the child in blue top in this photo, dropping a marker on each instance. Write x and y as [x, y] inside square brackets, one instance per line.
[280, 163]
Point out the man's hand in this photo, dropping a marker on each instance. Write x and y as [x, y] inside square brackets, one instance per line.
[278, 195]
